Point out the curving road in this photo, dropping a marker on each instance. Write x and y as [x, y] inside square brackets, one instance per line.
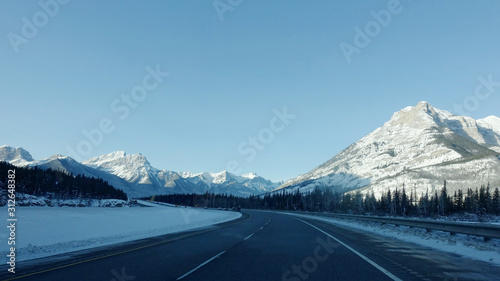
[259, 246]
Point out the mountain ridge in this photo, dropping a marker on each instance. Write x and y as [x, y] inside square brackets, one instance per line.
[134, 174]
[416, 139]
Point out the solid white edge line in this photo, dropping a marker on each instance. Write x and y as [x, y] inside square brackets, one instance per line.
[385, 271]
[196, 268]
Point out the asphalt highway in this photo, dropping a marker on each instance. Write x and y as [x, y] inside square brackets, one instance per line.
[259, 246]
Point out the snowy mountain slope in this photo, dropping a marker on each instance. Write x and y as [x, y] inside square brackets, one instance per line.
[136, 170]
[71, 166]
[132, 168]
[460, 174]
[490, 127]
[20, 157]
[136, 177]
[16, 156]
[140, 176]
[490, 122]
[225, 182]
[258, 184]
[420, 146]
[65, 164]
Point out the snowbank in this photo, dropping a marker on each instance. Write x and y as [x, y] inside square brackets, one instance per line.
[46, 231]
[467, 246]
[27, 200]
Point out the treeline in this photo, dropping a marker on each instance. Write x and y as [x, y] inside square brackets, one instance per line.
[57, 185]
[399, 202]
[209, 200]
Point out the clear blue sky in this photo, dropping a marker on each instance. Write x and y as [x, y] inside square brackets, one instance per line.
[226, 76]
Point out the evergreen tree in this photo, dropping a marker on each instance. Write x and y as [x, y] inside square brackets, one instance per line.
[482, 200]
[488, 200]
[57, 185]
[424, 203]
[396, 201]
[443, 201]
[495, 202]
[390, 203]
[404, 202]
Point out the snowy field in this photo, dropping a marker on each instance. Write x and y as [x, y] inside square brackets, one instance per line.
[46, 231]
[467, 246]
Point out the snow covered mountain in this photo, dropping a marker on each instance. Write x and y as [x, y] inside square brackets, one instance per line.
[225, 182]
[61, 163]
[15, 156]
[136, 170]
[136, 177]
[132, 168]
[419, 147]
[142, 179]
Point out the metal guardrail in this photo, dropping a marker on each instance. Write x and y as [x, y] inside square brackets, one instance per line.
[487, 231]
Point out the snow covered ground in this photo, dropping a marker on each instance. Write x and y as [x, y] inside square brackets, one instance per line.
[26, 200]
[467, 246]
[46, 231]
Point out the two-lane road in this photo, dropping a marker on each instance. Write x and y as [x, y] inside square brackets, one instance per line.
[261, 246]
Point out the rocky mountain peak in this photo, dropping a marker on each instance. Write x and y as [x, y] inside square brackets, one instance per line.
[421, 145]
[15, 156]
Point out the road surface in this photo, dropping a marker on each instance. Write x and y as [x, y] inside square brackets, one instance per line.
[259, 246]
